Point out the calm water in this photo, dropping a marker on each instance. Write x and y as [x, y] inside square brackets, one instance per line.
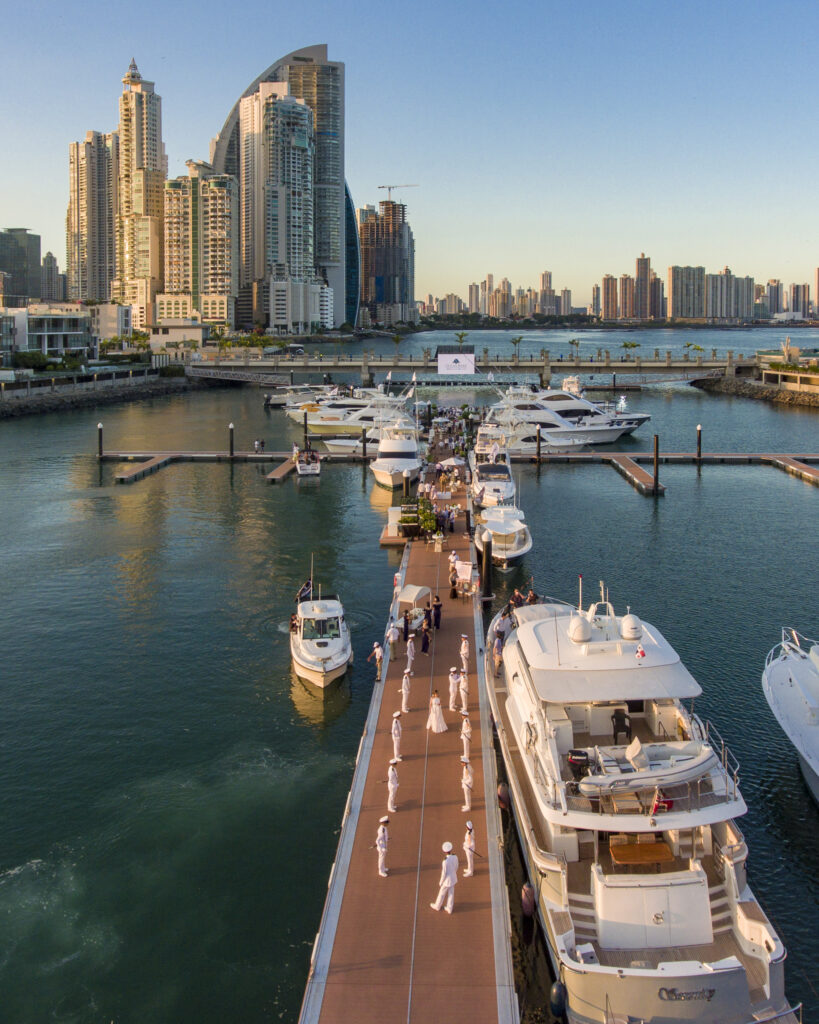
[170, 796]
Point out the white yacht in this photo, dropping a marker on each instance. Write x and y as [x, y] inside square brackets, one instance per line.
[308, 463]
[522, 437]
[511, 539]
[618, 412]
[320, 643]
[397, 454]
[791, 685]
[625, 803]
[559, 414]
[492, 482]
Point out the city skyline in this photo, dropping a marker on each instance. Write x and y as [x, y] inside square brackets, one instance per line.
[527, 170]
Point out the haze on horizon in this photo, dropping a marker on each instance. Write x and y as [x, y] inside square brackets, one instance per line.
[559, 137]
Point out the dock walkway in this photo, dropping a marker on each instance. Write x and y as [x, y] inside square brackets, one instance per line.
[382, 954]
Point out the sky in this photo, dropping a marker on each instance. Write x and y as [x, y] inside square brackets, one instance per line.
[562, 136]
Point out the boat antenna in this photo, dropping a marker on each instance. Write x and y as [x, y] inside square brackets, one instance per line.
[602, 591]
[580, 596]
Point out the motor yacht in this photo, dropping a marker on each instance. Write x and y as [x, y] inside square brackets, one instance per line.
[511, 539]
[522, 437]
[559, 414]
[397, 457]
[308, 463]
[626, 803]
[492, 481]
[320, 645]
[790, 683]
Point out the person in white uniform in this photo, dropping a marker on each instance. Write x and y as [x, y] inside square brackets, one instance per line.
[466, 733]
[469, 850]
[392, 786]
[396, 736]
[405, 691]
[378, 653]
[464, 653]
[453, 558]
[393, 634]
[463, 686]
[410, 651]
[448, 880]
[467, 780]
[454, 680]
[382, 841]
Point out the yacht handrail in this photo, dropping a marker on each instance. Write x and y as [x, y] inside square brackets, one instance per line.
[792, 641]
[730, 765]
[780, 1015]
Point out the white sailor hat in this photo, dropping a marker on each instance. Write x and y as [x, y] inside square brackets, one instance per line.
[464, 636]
[453, 669]
[396, 714]
[464, 760]
[384, 820]
[468, 824]
[376, 644]
[464, 714]
[393, 760]
[447, 847]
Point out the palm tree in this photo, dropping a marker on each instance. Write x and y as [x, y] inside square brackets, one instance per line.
[516, 342]
[461, 338]
[627, 346]
[575, 345]
[396, 340]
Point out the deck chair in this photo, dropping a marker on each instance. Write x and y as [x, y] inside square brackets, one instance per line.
[620, 722]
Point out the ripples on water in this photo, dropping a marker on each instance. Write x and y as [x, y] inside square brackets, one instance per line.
[171, 794]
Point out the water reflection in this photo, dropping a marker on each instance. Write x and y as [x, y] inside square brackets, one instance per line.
[320, 706]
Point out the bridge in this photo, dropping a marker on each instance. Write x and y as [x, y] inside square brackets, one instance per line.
[280, 369]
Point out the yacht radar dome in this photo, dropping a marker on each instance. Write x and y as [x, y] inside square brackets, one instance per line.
[579, 629]
[630, 627]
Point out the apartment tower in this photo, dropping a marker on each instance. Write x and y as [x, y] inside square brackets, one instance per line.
[93, 172]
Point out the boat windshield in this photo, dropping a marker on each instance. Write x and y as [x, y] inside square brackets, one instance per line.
[493, 471]
[320, 629]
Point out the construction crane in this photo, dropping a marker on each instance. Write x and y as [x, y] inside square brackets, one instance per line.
[389, 189]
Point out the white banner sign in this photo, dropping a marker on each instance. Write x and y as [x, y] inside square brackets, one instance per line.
[456, 362]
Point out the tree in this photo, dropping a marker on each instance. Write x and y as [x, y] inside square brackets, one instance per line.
[627, 346]
[516, 342]
[460, 337]
[396, 340]
[574, 344]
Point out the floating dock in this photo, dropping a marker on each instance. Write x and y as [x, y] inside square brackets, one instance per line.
[382, 954]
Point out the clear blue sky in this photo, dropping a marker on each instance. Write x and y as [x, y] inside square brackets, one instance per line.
[567, 136]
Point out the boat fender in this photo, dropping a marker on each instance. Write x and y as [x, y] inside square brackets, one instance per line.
[531, 735]
[503, 796]
[557, 999]
[527, 899]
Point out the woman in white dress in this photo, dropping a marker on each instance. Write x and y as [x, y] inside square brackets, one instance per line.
[436, 716]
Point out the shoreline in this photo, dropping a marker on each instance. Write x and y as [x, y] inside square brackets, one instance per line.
[12, 408]
[756, 390]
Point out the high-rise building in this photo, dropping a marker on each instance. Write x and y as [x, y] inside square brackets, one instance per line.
[800, 299]
[816, 292]
[310, 76]
[595, 302]
[53, 286]
[546, 280]
[626, 297]
[387, 263]
[201, 216]
[686, 293]
[775, 296]
[728, 297]
[656, 297]
[20, 262]
[93, 171]
[474, 298]
[609, 297]
[642, 288]
[565, 302]
[142, 169]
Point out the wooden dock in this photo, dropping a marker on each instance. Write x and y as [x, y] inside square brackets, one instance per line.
[382, 954]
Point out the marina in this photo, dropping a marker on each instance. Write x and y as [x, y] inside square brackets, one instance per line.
[220, 537]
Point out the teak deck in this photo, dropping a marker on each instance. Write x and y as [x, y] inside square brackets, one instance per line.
[382, 953]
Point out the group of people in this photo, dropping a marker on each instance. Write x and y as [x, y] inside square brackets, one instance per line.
[258, 445]
[458, 694]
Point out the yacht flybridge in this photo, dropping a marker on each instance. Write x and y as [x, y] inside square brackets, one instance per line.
[625, 802]
[511, 539]
[397, 456]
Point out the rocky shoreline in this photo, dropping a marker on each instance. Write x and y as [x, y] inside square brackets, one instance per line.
[755, 389]
[114, 394]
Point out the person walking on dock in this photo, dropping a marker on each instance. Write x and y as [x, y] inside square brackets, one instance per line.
[435, 719]
[410, 651]
[406, 625]
[454, 681]
[453, 584]
[464, 652]
[428, 615]
[448, 880]
[466, 732]
[405, 691]
[437, 606]
[378, 653]
[396, 735]
[453, 558]
[392, 785]
[463, 687]
[469, 850]
[382, 842]
[467, 780]
[425, 638]
[393, 633]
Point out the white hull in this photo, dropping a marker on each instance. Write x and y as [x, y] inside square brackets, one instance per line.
[504, 555]
[811, 778]
[309, 469]
[319, 677]
[392, 477]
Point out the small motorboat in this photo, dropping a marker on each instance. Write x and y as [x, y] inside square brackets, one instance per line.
[320, 644]
[511, 538]
[308, 463]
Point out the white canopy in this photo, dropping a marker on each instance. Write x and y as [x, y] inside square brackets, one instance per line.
[453, 460]
[411, 594]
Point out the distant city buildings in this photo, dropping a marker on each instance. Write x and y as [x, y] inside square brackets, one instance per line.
[20, 268]
[388, 264]
[93, 183]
